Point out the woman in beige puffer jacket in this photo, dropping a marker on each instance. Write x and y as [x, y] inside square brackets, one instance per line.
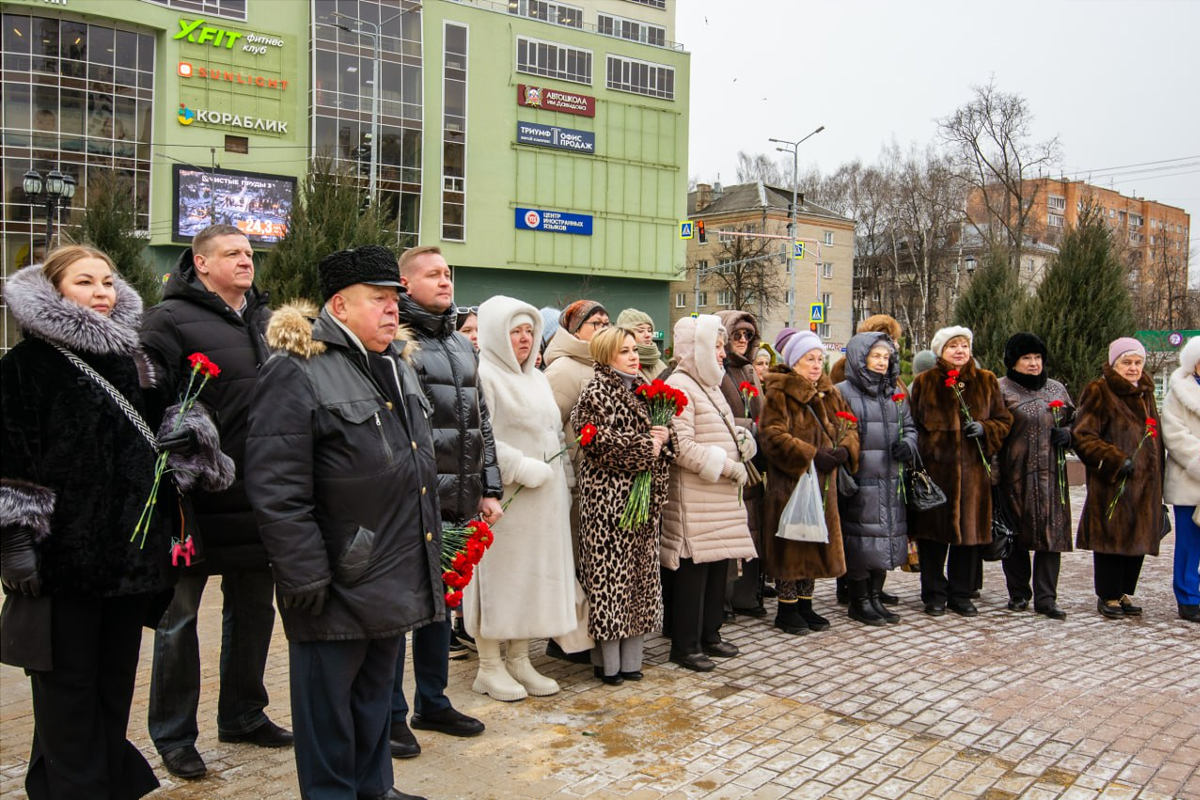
[704, 519]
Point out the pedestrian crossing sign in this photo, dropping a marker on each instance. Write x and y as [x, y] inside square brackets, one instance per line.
[816, 312]
[685, 229]
[798, 250]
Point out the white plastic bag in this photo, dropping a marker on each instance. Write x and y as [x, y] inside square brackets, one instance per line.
[803, 518]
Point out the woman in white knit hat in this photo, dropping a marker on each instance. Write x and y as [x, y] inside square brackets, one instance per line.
[956, 447]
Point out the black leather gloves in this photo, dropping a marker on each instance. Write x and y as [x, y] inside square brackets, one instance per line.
[181, 443]
[313, 600]
[828, 460]
[1060, 437]
[1126, 469]
[903, 451]
[973, 429]
[18, 563]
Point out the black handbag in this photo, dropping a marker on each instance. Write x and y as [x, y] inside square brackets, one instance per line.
[846, 485]
[1166, 523]
[923, 493]
[1004, 538]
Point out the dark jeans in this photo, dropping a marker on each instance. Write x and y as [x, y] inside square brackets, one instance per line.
[1115, 575]
[697, 600]
[341, 717]
[81, 706]
[431, 670]
[961, 563]
[247, 620]
[1044, 571]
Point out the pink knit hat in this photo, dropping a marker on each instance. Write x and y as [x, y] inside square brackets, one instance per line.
[1126, 344]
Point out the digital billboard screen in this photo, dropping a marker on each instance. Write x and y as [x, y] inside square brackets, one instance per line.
[256, 204]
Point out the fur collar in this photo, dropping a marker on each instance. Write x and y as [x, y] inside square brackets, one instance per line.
[291, 330]
[1184, 386]
[1123, 388]
[42, 312]
[784, 379]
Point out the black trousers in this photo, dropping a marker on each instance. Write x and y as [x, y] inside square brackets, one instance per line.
[81, 706]
[341, 715]
[1115, 575]
[697, 600]
[960, 564]
[1044, 571]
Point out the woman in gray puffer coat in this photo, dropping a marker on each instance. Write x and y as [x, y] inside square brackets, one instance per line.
[874, 523]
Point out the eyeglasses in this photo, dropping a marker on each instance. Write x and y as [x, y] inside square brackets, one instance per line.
[598, 325]
[464, 310]
[741, 336]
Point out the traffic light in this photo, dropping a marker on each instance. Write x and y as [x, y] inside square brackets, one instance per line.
[700, 231]
[812, 326]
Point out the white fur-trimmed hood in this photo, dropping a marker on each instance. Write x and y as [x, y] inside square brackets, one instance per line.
[696, 345]
[42, 312]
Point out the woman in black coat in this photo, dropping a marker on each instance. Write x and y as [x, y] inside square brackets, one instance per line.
[75, 474]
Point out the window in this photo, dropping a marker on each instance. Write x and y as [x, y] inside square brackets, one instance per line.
[724, 266]
[788, 296]
[827, 299]
[556, 13]
[701, 299]
[1056, 203]
[651, 3]
[630, 29]
[828, 237]
[454, 133]
[827, 270]
[702, 265]
[724, 237]
[1136, 220]
[680, 300]
[554, 61]
[1029, 265]
[1054, 220]
[725, 298]
[641, 77]
[823, 330]
[1112, 212]
[220, 8]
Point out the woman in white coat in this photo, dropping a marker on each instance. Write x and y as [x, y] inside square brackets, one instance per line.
[524, 588]
[704, 519]
[1181, 435]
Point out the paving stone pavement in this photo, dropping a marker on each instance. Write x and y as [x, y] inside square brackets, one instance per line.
[1004, 705]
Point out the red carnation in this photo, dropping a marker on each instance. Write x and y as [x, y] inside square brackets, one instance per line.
[452, 579]
[587, 434]
[460, 560]
[454, 599]
[1151, 423]
[474, 552]
[1057, 404]
[898, 397]
[952, 373]
[951, 382]
[846, 415]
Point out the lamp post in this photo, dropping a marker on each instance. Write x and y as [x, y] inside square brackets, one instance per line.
[57, 187]
[373, 179]
[793, 148]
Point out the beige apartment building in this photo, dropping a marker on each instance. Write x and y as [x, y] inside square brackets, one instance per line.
[746, 262]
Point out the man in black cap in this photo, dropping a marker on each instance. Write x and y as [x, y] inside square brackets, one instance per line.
[342, 476]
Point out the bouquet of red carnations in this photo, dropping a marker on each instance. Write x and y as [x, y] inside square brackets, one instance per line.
[462, 550]
[664, 403]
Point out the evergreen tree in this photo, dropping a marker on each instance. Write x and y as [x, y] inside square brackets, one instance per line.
[110, 224]
[1083, 303]
[330, 214]
[991, 307]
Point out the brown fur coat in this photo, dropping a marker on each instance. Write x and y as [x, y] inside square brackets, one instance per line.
[790, 437]
[1110, 423]
[953, 460]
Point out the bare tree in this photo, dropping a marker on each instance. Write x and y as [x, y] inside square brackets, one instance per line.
[991, 147]
[761, 167]
[748, 272]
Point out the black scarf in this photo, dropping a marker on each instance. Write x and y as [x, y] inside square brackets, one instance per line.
[1033, 383]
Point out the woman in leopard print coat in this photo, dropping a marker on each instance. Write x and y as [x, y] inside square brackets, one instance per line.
[619, 568]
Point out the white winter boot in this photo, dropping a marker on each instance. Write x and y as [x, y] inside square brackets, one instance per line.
[493, 679]
[520, 668]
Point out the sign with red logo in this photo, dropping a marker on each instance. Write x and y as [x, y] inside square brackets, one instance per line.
[554, 100]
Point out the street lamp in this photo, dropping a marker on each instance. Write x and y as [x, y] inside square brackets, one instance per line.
[57, 187]
[376, 58]
[793, 148]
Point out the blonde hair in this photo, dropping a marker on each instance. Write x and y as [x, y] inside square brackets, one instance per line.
[607, 343]
[413, 253]
[60, 259]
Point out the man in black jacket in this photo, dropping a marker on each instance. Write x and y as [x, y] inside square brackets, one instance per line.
[469, 482]
[210, 305]
[341, 472]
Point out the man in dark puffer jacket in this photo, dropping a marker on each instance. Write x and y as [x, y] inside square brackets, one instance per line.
[468, 476]
[210, 305]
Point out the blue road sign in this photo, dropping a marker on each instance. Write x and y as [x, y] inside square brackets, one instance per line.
[685, 229]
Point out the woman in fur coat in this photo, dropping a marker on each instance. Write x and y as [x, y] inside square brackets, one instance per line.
[525, 587]
[800, 431]
[1113, 440]
[875, 521]
[1036, 501]
[75, 474]
[957, 453]
[1181, 435]
[704, 520]
[619, 568]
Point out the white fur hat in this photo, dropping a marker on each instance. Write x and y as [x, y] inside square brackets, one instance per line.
[946, 334]
[1190, 354]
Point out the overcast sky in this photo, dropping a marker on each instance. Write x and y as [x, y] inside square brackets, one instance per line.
[1116, 81]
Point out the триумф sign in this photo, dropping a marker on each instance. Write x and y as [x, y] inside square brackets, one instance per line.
[554, 136]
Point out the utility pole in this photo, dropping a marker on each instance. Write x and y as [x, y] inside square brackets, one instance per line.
[793, 148]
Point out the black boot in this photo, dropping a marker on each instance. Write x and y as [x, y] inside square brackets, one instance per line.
[861, 608]
[875, 594]
[843, 592]
[788, 618]
[815, 621]
[884, 597]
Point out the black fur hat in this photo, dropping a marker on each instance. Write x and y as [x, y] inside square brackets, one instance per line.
[370, 263]
[1020, 344]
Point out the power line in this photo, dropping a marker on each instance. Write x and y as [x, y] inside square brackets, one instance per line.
[1126, 166]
